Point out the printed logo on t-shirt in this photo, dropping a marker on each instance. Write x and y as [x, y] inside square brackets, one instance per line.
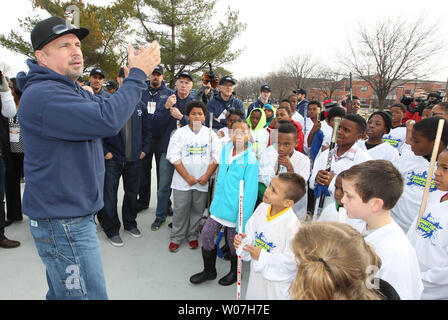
[261, 242]
[428, 228]
[196, 150]
[393, 142]
[419, 180]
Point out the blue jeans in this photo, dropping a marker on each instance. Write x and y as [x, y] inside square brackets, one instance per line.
[164, 190]
[70, 251]
[131, 182]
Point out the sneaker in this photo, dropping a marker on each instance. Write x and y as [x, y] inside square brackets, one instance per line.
[194, 244]
[116, 241]
[173, 247]
[157, 224]
[134, 232]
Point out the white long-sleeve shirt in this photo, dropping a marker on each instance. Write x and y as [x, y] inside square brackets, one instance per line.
[8, 105]
[272, 274]
[430, 241]
[193, 149]
[269, 164]
[399, 264]
[352, 157]
[414, 170]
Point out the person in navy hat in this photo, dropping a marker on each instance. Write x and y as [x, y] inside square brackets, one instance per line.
[302, 106]
[265, 98]
[223, 102]
[111, 86]
[152, 98]
[169, 115]
[96, 80]
[62, 125]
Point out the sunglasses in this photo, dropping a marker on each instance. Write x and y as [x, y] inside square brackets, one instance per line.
[61, 28]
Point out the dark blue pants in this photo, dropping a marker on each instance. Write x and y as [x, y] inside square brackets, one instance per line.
[144, 194]
[2, 196]
[130, 171]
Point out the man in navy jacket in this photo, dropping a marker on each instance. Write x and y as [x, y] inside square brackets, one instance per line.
[122, 154]
[62, 125]
[265, 94]
[223, 102]
[169, 115]
[156, 92]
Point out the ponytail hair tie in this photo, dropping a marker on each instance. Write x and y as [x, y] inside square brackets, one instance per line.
[325, 264]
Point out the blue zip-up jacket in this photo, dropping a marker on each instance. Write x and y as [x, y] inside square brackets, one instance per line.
[164, 124]
[102, 93]
[217, 105]
[141, 137]
[155, 95]
[62, 127]
[301, 107]
[225, 204]
[257, 104]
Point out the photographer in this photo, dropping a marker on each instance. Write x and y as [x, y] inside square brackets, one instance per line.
[411, 109]
[209, 87]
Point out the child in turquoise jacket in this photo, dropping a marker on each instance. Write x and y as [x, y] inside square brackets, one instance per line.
[238, 162]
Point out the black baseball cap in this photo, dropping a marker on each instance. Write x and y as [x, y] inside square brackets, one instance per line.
[97, 71]
[226, 79]
[300, 91]
[159, 69]
[185, 74]
[265, 88]
[52, 28]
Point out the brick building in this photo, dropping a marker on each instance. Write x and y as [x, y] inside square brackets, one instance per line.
[368, 97]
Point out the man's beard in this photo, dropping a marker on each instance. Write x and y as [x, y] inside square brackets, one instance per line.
[74, 75]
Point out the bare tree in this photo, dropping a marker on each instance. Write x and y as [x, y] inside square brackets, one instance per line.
[391, 52]
[300, 68]
[329, 81]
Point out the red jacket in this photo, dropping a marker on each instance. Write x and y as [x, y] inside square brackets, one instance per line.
[300, 136]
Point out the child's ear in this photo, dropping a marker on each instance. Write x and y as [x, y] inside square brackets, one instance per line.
[288, 203]
[376, 204]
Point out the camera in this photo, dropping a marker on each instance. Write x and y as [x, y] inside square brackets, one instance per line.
[432, 99]
[211, 74]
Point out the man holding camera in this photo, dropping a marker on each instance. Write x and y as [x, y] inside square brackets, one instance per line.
[209, 87]
[62, 126]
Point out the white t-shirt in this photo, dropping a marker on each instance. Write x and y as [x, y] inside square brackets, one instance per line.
[271, 276]
[414, 170]
[430, 241]
[193, 149]
[269, 163]
[396, 138]
[399, 264]
[383, 151]
[346, 161]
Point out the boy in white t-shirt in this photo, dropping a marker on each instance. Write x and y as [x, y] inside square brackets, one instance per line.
[282, 157]
[430, 239]
[368, 197]
[266, 240]
[195, 160]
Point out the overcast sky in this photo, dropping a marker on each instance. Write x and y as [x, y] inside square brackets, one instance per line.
[280, 29]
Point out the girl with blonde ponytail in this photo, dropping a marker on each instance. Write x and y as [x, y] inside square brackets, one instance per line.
[334, 263]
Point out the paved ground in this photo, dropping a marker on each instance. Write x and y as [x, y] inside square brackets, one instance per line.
[142, 269]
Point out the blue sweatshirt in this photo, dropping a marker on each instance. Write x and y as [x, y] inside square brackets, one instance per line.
[62, 126]
[163, 123]
[217, 105]
[257, 104]
[225, 203]
[141, 137]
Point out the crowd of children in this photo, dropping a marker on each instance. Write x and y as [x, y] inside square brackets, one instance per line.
[366, 242]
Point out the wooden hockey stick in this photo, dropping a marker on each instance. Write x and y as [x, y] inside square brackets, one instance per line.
[435, 151]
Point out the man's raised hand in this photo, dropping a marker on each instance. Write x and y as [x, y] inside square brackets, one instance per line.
[146, 59]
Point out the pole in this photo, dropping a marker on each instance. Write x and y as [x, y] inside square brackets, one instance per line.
[337, 121]
[350, 109]
[435, 151]
[240, 231]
